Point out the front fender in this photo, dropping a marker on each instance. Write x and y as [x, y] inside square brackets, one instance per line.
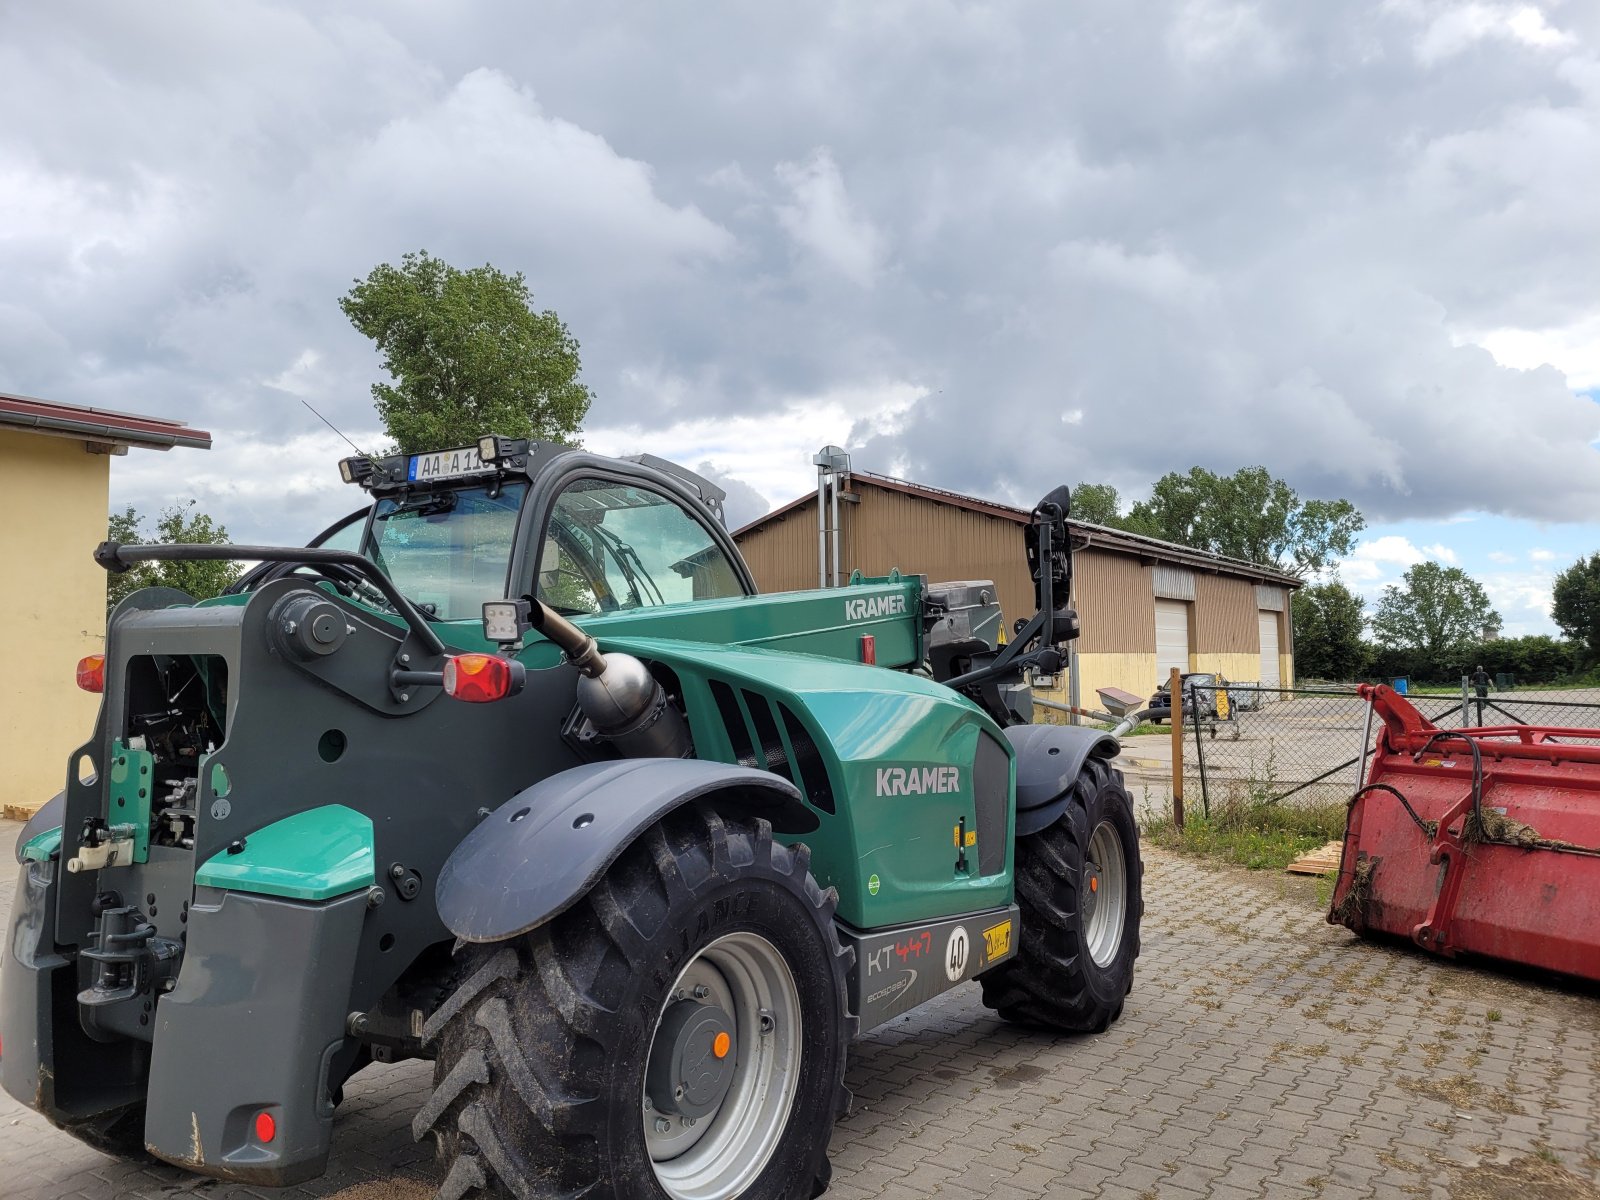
[1049, 758]
[535, 855]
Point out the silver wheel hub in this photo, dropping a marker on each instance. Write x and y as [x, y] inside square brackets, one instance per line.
[1105, 894]
[712, 1121]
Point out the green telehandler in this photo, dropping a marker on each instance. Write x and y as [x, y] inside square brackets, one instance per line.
[515, 771]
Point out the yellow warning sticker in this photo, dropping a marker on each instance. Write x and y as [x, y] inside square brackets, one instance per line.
[972, 837]
[997, 940]
[1222, 704]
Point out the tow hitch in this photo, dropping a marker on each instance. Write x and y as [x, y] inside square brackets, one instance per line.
[131, 965]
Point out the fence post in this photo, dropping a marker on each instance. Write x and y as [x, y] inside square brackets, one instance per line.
[1466, 705]
[1174, 692]
[1200, 757]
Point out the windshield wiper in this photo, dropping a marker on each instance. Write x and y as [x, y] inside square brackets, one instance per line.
[425, 505]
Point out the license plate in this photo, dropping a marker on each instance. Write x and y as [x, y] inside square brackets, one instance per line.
[446, 464]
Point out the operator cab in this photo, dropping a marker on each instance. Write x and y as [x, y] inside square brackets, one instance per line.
[509, 518]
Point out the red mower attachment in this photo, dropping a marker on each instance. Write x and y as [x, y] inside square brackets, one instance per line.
[1480, 840]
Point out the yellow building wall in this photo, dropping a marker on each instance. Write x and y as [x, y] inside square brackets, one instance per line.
[55, 608]
[1134, 673]
[1238, 668]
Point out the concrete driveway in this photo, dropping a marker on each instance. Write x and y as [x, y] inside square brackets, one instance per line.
[1262, 1053]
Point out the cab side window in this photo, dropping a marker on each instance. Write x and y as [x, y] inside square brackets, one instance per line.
[611, 546]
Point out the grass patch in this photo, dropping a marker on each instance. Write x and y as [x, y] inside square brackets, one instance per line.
[1251, 832]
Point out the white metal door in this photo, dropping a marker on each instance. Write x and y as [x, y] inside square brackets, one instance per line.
[1172, 637]
[1269, 648]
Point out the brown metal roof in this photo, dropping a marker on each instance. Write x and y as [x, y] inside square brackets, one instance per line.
[1084, 534]
[30, 415]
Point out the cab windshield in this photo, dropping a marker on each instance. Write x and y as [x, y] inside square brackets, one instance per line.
[448, 551]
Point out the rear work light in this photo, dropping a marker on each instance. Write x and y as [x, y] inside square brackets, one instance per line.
[92, 673]
[482, 678]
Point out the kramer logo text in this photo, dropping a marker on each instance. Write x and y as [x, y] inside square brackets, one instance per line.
[875, 606]
[918, 781]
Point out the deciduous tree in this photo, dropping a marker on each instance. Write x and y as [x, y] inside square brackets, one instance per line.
[178, 523]
[1438, 611]
[468, 355]
[1575, 606]
[1328, 628]
[1096, 503]
[1248, 515]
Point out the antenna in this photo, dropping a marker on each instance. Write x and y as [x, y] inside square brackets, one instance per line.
[336, 429]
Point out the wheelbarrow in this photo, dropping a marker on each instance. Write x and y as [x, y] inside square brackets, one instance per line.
[1482, 841]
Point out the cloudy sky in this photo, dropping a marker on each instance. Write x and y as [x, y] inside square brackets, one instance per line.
[991, 247]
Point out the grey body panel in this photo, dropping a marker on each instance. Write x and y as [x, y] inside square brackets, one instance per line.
[256, 1020]
[1049, 759]
[48, 817]
[899, 968]
[535, 855]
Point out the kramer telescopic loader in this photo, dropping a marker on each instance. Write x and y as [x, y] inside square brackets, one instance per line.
[516, 772]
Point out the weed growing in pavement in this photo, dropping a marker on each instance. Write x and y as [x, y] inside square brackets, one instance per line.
[1248, 829]
[1494, 1014]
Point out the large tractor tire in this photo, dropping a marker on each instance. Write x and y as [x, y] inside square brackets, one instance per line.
[1079, 889]
[678, 1034]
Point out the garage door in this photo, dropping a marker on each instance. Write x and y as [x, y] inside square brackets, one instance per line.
[1172, 637]
[1269, 648]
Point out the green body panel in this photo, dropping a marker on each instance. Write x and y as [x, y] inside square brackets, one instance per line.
[131, 779]
[863, 720]
[313, 855]
[826, 621]
[41, 846]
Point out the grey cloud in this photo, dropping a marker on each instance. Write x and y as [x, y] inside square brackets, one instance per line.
[1224, 233]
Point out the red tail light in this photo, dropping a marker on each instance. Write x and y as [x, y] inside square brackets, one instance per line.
[482, 678]
[266, 1127]
[92, 673]
[869, 649]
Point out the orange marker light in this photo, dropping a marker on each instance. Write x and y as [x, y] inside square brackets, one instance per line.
[92, 673]
[721, 1044]
[1094, 884]
[266, 1127]
[482, 678]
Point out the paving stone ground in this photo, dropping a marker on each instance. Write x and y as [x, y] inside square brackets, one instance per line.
[1262, 1053]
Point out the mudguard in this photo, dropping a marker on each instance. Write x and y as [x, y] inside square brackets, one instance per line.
[535, 855]
[50, 815]
[1049, 760]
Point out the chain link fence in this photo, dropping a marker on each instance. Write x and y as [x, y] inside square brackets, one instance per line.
[1250, 744]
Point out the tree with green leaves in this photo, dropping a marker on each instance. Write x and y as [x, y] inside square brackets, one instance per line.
[1096, 503]
[1329, 624]
[1438, 611]
[1575, 603]
[178, 523]
[468, 355]
[1248, 515]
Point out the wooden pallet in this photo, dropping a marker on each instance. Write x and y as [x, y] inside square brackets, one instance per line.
[20, 812]
[1322, 861]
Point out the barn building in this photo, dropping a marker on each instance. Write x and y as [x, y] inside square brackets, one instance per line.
[1146, 605]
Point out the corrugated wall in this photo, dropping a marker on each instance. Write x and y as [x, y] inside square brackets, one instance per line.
[889, 529]
[1225, 616]
[1116, 604]
[921, 537]
[783, 553]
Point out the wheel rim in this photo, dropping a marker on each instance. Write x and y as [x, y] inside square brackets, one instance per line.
[1106, 892]
[717, 1156]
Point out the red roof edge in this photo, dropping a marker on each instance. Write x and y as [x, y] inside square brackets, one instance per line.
[31, 415]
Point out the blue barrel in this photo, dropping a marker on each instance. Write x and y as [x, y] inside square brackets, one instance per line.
[1400, 684]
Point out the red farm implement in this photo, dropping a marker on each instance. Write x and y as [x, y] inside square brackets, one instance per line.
[1484, 841]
